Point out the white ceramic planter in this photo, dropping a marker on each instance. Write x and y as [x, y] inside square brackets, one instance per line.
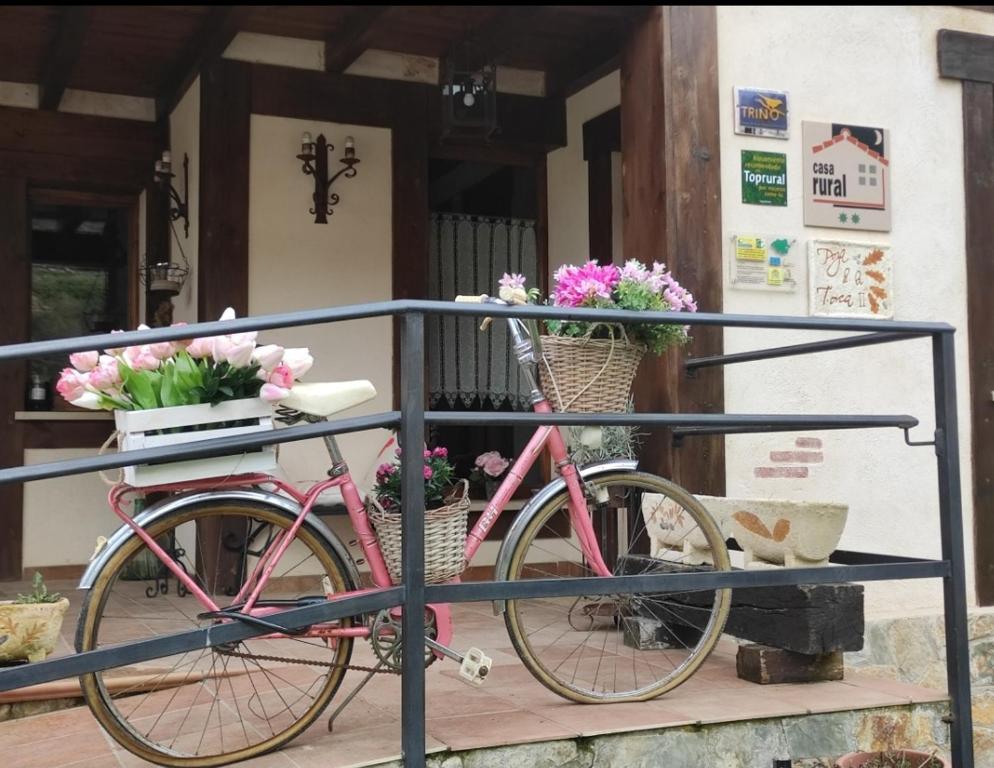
[671, 528]
[135, 428]
[30, 630]
[791, 533]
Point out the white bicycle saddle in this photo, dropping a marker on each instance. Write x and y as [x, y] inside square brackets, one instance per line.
[324, 398]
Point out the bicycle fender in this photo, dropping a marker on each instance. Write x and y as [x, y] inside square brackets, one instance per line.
[161, 509]
[557, 486]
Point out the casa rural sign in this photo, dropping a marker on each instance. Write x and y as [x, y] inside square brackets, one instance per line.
[846, 176]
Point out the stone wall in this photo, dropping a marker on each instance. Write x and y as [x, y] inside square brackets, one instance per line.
[913, 650]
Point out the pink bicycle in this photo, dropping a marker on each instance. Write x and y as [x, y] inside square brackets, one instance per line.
[227, 703]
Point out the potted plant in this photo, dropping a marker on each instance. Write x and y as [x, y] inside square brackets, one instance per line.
[489, 470]
[589, 367]
[183, 391]
[29, 625]
[900, 758]
[446, 512]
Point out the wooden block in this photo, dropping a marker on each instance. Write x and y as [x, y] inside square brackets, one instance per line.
[805, 618]
[765, 665]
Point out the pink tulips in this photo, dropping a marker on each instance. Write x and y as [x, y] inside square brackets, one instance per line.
[186, 372]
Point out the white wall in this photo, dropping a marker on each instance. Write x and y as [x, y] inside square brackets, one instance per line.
[297, 264]
[184, 136]
[569, 241]
[63, 516]
[869, 66]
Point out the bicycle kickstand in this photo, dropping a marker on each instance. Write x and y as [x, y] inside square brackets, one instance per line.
[353, 694]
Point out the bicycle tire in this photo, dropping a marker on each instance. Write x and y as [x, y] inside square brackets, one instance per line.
[127, 724]
[541, 644]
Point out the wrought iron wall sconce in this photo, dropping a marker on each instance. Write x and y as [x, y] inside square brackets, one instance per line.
[314, 156]
[179, 206]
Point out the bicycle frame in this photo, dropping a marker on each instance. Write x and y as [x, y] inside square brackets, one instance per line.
[249, 592]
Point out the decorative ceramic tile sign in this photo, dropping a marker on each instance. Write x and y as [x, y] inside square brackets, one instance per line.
[850, 279]
[761, 112]
[762, 263]
[846, 176]
[764, 178]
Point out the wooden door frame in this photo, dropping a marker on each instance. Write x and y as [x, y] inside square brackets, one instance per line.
[671, 156]
[970, 58]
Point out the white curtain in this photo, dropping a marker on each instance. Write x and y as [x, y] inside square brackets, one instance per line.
[468, 256]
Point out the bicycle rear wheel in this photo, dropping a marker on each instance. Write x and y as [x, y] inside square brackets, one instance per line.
[614, 648]
[215, 705]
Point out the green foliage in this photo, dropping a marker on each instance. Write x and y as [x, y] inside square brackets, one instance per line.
[181, 380]
[220, 382]
[39, 593]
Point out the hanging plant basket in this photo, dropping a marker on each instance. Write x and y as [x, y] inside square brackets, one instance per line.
[586, 375]
[445, 536]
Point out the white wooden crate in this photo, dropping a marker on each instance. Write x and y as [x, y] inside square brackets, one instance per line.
[134, 428]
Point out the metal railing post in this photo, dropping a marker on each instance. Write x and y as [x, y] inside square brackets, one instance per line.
[951, 526]
[412, 438]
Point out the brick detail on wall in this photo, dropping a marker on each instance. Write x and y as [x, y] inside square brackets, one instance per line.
[781, 471]
[797, 457]
[808, 442]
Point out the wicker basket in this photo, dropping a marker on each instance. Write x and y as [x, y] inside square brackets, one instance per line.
[587, 375]
[445, 537]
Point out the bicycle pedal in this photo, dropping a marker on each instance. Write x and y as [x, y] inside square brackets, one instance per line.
[475, 667]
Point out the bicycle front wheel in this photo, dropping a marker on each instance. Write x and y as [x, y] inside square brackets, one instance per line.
[219, 704]
[614, 648]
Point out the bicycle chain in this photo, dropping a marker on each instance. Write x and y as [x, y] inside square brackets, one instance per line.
[313, 663]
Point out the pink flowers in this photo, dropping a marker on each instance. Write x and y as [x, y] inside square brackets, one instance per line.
[84, 361]
[634, 287]
[583, 286]
[492, 464]
[185, 372]
[278, 383]
[71, 384]
[438, 475]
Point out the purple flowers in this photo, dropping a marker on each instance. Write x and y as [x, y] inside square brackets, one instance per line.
[583, 286]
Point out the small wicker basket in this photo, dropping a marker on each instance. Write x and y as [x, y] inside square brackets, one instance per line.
[445, 537]
[587, 375]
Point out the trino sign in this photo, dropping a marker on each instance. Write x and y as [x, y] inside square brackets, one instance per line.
[761, 112]
[846, 176]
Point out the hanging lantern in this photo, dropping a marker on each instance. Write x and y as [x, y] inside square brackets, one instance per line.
[469, 94]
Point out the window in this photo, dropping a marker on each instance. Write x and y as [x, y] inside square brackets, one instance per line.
[82, 276]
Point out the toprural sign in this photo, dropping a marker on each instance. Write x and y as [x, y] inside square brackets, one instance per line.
[846, 176]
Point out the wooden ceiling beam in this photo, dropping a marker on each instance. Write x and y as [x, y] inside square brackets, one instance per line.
[498, 34]
[215, 35]
[351, 39]
[595, 57]
[63, 55]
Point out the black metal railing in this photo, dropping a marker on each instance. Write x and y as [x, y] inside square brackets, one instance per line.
[412, 418]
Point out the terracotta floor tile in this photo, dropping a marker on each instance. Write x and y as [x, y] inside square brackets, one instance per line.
[517, 727]
[351, 749]
[597, 719]
[57, 750]
[836, 696]
[911, 693]
[725, 706]
[512, 707]
[66, 722]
